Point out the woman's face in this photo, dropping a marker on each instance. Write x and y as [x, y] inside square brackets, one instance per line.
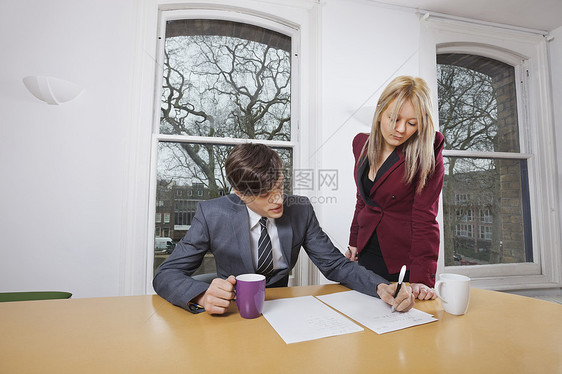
[399, 132]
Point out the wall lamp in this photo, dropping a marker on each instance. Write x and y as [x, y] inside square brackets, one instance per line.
[53, 91]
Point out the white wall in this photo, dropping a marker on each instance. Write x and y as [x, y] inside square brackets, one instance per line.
[362, 50]
[63, 167]
[66, 190]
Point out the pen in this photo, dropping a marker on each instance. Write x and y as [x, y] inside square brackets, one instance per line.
[400, 280]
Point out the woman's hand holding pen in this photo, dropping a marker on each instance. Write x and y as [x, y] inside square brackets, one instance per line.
[403, 302]
[351, 253]
[423, 292]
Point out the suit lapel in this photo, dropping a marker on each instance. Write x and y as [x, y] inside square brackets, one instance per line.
[363, 163]
[240, 225]
[285, 232]
[391, 170]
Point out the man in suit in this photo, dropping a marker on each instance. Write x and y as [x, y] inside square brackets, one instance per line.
[232, 226]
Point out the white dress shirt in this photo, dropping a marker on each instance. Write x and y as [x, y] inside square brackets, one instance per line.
[255, 232]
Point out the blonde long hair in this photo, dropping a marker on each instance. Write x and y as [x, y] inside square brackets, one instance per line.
[418, 150]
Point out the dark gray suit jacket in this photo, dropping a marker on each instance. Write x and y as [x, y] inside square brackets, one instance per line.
[222, 226]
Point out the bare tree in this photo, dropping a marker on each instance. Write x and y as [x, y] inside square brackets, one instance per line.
[219, 86]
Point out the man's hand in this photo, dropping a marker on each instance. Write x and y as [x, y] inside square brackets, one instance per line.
[403, 302]
[218, 296]
[423, 292]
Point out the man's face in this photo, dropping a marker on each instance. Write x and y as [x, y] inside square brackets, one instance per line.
[267, 205]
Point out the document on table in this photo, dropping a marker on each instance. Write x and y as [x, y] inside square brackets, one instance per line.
[306, 318]
[374, 313]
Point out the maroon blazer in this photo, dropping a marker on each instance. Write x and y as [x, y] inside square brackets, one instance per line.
[405, 221]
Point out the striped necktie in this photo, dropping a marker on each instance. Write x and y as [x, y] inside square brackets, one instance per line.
[265, 254]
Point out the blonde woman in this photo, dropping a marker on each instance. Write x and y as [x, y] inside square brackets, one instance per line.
[399, 175]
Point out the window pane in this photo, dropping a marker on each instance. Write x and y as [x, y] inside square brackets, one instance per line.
[226, 79]
[496, 189]
[187, 174]
[221, 79]
[485, 200]
[477, 103]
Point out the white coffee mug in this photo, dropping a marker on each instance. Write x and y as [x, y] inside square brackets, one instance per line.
[454, 291]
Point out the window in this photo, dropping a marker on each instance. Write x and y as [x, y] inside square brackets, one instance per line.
[224, 81]
[478, 113]
[485, 232]
[464, 231]
[158, 217]
[485, 216]
[494, 111]
[461, 198]
[464, 215]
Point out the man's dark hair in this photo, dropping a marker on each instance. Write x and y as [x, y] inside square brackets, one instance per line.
[253, 169]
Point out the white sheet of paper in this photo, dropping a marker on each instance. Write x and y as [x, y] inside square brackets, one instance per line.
[374, 313]
[305, 318]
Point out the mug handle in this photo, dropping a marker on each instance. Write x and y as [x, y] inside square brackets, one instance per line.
[438, 285]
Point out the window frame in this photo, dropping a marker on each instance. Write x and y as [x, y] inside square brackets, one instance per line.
[519, 63]
[299, 276]
[138, 213]
[528, 54]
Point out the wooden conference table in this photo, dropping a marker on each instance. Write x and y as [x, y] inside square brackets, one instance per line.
[501, 333]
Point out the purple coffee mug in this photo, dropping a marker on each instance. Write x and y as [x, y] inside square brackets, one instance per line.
[250, 294]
